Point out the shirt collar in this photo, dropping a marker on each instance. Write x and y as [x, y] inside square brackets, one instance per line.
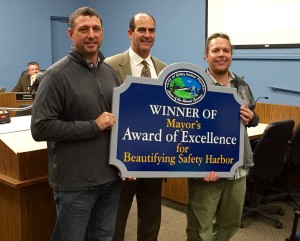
[215, 82]
[90, 63]
[136, 59]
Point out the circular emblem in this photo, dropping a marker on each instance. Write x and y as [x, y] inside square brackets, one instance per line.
[185, 87]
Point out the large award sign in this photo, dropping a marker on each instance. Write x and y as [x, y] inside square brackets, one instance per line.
[179, 125]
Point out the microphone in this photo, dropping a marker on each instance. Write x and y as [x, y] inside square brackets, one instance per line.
[36, 83]
[262, 97]
[27, 107]
[4, 115]
[39, 75]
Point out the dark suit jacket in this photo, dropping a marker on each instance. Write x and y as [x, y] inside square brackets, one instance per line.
[121, 63]
[23, 84]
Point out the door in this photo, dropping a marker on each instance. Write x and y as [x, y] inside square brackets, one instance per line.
[60, 42]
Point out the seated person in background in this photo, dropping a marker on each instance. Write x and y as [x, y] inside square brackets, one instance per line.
[26, 80]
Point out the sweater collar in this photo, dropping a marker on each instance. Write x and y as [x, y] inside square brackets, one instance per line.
[78, 56]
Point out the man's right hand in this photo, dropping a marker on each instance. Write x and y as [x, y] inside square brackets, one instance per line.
[105, 121]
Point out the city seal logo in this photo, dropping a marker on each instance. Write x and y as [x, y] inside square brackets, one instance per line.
[185, 87]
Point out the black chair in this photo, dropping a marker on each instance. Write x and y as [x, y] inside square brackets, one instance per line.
[295, 236]
[292, 165]
[24, 72]
[268, 155]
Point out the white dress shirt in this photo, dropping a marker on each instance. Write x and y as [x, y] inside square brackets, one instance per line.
[136, 65]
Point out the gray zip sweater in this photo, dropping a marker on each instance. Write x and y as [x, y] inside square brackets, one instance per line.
[69, 99]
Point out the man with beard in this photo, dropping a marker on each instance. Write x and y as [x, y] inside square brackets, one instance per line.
[215, 205]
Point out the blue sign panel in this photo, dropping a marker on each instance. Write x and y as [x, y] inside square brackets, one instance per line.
[179, 125]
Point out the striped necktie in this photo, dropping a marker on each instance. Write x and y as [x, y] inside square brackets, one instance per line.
[146, 70]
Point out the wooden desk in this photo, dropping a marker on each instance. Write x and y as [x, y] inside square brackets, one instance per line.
[26, 199]
[175, 189]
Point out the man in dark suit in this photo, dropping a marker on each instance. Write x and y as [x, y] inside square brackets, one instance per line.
[141, 32]
[27, 79]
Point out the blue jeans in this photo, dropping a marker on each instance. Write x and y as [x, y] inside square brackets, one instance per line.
[87, 215]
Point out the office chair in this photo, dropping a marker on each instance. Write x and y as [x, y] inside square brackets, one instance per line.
[295, 236]
[292, 163]
[268, 156]
[24, 72]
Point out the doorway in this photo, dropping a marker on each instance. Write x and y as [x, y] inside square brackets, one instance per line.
[60, 42]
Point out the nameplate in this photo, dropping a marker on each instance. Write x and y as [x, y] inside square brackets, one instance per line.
[179, 125]
[25, 96]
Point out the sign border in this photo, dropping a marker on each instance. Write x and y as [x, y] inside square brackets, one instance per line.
[160, 82]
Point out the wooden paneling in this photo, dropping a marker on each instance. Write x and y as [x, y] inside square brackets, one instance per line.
[270, 112]
[10, 221]
[37, 212]
[27, 214]
[27, 210]
[176, 188]
[22, 166]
